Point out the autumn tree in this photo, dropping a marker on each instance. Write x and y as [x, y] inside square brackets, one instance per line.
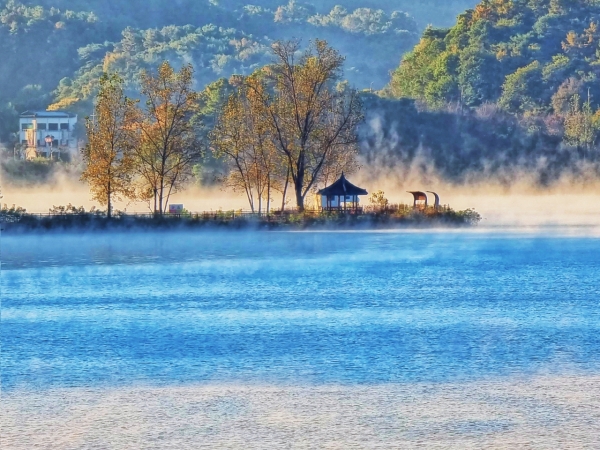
[243, 138]
[379, 201]
[108, 156]
[311, 118]
[581, 125]
[169, 144]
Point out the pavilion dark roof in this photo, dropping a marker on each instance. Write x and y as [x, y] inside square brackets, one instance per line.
[342, 187]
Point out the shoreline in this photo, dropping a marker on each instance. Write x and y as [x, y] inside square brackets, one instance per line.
[83, 222]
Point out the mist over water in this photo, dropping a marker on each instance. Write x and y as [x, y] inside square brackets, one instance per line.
[569, 206]
[330, 339]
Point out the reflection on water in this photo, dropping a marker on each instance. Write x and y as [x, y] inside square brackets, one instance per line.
[334, 340]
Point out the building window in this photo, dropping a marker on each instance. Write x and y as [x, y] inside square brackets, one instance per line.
[26, 126]
[64, 126]
[41, 126]
[53, 126]
[24, 141]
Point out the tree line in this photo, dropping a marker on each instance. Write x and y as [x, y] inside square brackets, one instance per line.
[288, 126]
[55, 51]
[536, 60]
[528, 66]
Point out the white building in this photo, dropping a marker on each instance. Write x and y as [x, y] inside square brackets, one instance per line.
[47, 133]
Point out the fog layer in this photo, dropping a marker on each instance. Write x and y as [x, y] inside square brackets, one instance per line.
[566, 204]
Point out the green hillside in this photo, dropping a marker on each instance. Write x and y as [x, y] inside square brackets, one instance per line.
[152, 13]
[511, 86]
[54, 50]
[510, 91]
[528, 56]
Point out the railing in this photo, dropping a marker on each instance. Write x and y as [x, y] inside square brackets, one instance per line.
[278, 216]
[166, 215]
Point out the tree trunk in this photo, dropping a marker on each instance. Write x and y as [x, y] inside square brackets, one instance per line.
[155, 193]
[287, 180]
[298, 182]
[299, 198]
[268, 194]
[250, 199]
[162, 179]
[160, 199]
[108, 212]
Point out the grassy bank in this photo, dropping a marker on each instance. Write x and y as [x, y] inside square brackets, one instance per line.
[17, 220]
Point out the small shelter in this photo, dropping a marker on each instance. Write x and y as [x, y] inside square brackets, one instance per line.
[420, 199]
[341, 195]
[437, 200]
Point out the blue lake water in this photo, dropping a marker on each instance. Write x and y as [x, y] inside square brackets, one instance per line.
[296, 309]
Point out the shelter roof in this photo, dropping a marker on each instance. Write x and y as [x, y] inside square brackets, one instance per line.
[342, 187]
[418, 195]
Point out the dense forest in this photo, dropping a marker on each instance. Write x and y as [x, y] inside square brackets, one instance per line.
[524, 55]
[512, 83]
[54, 51]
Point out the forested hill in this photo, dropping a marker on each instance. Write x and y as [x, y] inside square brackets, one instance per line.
[527, 56]
[511, 89]
[152, 13]
[53, 51]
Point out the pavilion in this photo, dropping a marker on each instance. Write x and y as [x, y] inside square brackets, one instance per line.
[341, 196]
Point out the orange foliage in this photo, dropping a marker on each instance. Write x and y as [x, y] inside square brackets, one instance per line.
[483, 11]
[586, 40]
[493, 10]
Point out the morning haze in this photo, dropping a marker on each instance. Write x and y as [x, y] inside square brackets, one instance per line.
[477, 109]
[359, 224]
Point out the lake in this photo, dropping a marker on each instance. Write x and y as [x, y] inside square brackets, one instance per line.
[398, 339]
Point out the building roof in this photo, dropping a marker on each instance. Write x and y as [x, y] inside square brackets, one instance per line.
[47, 114]
[342, 187]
